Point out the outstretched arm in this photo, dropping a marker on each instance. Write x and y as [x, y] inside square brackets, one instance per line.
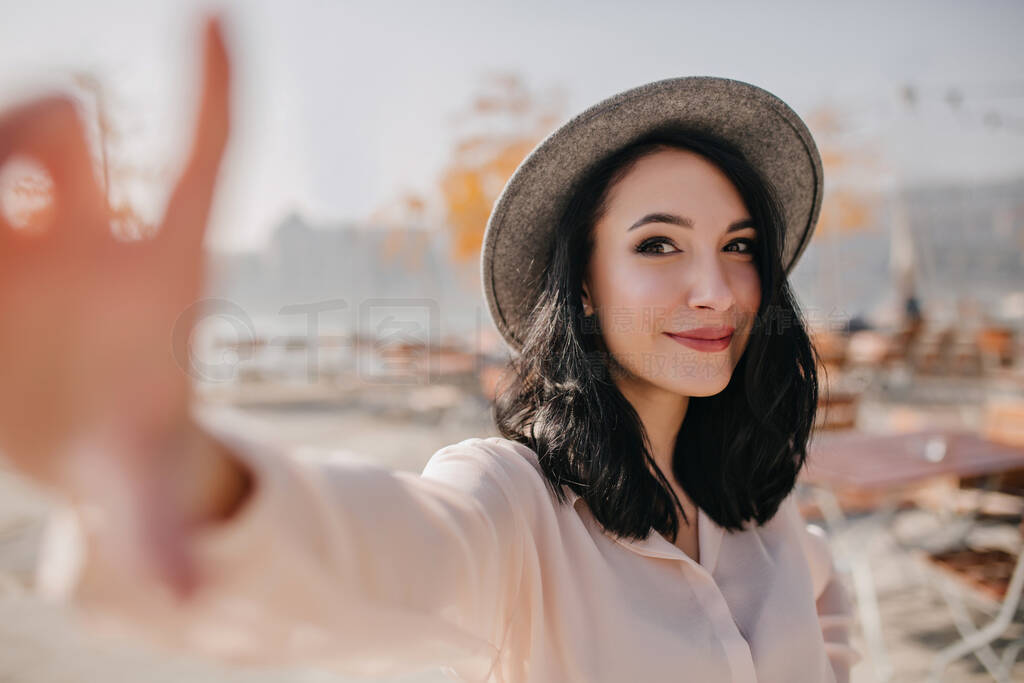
[208, 540]
[329, 561]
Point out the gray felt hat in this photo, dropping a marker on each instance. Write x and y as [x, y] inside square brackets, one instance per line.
[523, 222]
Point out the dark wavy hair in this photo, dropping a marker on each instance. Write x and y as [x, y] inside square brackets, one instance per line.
[738, 452]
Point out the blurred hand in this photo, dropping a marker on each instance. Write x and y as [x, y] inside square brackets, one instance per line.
[86, 321]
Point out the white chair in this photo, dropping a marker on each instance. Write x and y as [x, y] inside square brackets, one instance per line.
[959, 575]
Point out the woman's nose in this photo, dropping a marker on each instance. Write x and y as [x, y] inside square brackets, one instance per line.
[707, 284]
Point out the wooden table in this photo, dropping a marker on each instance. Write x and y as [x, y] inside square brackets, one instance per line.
[885, 464]
[886, 461]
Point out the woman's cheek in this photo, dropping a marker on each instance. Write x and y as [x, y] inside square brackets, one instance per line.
[748, 287]
[628, 291]
[646, 290]
[748, 295]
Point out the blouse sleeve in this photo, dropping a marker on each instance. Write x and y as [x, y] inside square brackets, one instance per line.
[330, 562]
[835, 609]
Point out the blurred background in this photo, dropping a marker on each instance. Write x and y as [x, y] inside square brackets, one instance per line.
[371, 139]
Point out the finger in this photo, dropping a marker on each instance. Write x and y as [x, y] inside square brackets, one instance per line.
[189, 207]
[50, 132]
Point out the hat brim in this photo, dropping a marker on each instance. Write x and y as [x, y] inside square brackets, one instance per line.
[523, 221]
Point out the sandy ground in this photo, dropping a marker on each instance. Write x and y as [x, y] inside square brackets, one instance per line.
[39, 643]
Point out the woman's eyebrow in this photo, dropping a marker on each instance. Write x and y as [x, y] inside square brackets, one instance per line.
[684, 222]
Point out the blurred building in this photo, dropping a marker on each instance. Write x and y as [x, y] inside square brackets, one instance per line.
[337, 271]
[967, 245]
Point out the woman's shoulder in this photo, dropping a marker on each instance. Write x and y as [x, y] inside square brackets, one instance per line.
[492, 455]
[478, 463]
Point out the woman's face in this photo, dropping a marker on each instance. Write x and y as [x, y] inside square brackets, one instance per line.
[673, 252]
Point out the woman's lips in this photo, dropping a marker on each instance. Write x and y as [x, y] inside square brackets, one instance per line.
[708, 345]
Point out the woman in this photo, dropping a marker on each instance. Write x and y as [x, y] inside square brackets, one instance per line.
[634, 521]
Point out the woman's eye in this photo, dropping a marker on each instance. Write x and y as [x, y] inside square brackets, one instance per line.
[748, 243]
[646, 247]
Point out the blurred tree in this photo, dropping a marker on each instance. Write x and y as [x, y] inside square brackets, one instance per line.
[127, 222]
[493, 134]
[502, 124]
[849, 203]
[407, 239]
[851, 191]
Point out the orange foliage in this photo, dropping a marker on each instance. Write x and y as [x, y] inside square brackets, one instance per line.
[482, 162]
[844, 211]
[402, 242]
[844, 208]
[497, 129]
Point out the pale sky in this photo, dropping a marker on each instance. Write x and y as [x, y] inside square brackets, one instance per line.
[341, 106]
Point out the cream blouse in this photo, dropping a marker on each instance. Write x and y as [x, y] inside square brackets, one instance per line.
[471, 566]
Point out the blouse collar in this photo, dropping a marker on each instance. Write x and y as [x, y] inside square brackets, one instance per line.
[709, 539]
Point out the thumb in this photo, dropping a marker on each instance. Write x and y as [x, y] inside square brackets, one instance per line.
[164, 535]
[143, 528]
